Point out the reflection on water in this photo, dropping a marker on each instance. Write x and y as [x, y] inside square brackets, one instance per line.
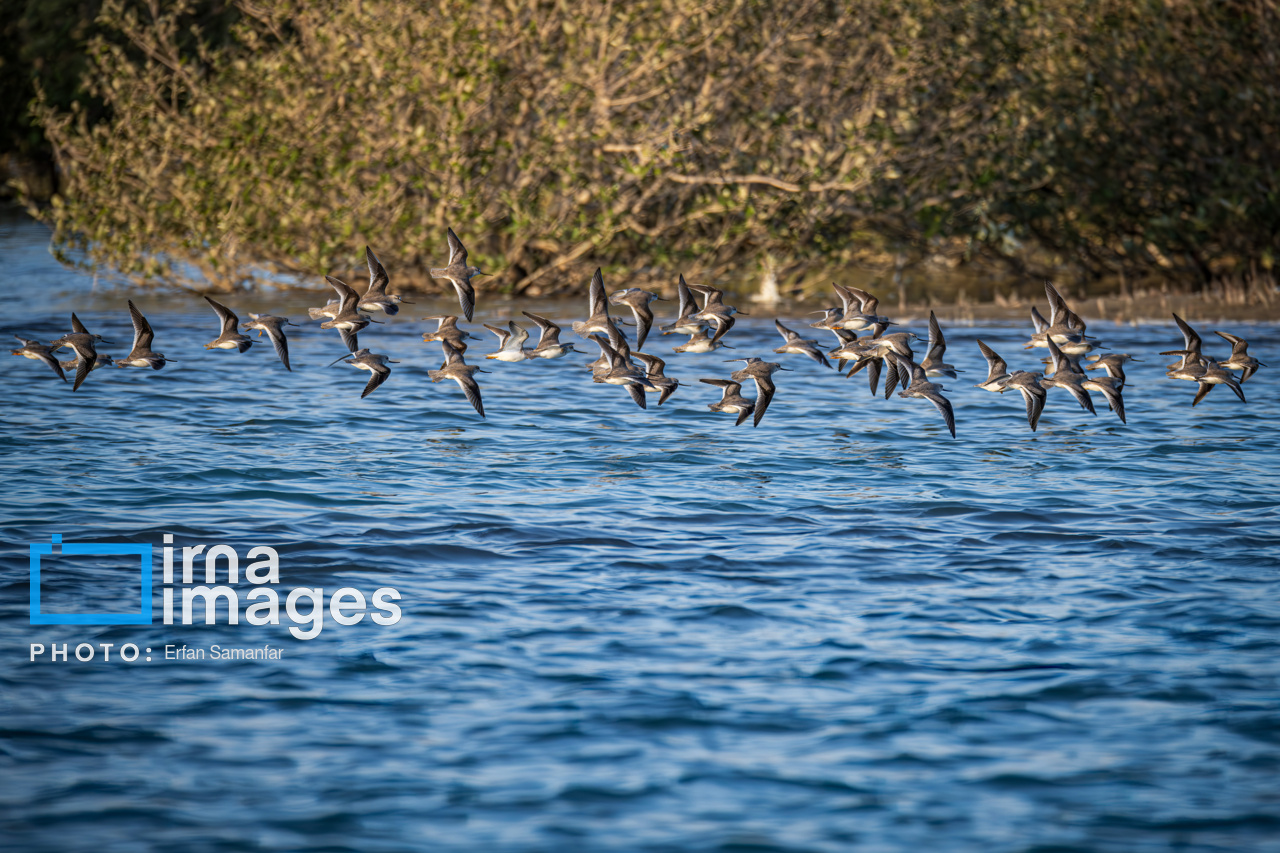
[647, 630]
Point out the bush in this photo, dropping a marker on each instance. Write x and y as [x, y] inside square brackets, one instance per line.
[674, 134]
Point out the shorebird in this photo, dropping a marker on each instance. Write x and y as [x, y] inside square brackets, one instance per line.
[933, 363]
[1215, 374]
[274, 328]
[230, 337]
[598, 321]
[1113, 364]
[997, 370]
[376, 297]
[618, 370]
[447, 331]
[685, 323]
[699, 342]
[659, 382]
[1033, 393]
[638, 301]
[1067, 378]
[1110, 388]
[798, 346]
[510, 343]
[549, 345]
[899, 342]
[1189, 367]
[140, 355]
[348, 320]
[39, 352]
[915, 383]
[1240, 358]
[460, 274]
[714, 311]
[1063, 326]
[731, 399]
[81, 341]
[762, 372]
[459, 371]
[375, 363]
[862, 316]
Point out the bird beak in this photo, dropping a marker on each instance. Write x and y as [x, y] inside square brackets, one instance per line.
[393, 361]
[339, 358]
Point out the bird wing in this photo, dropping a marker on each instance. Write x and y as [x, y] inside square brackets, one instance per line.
[457, 252]
[550, 331]
[637, 394]
[346, 296]
[596, 300]
[378, 374]
[787, 334]
[83, 366]
[995, 364]
[687, 304]
[451, 354]
[142, 334]
[276, 333]
[229, 320]
[764, 396]
[472, 390]
[652, 364]
[644, 322]
[724, 322]
[378, 278]
[1189, 336]
[944, 406]
[937, 343]
[519, 334]
[349, 340]
[76, 326]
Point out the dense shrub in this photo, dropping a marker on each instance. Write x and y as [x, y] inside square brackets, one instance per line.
[655, 134]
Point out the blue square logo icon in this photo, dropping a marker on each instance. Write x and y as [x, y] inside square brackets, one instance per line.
[72, 549]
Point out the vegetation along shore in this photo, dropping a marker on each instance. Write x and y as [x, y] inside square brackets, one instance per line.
[1121, 147]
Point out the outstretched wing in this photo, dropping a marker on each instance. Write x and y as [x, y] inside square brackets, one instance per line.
[83, 366]
[466, 297]
[142, 334]
[764, 396]
[457, 251]
[282, 346]
[349, 340]
[596, 301]
[472, 390]
[1189, 336]
[378, 278]
[637, 394]
[944, 406]
[996, 365]
[230, 322]
[346, 296]
[937, 343]
[377, 376]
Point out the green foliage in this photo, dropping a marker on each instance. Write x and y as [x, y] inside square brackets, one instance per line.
[554, 137]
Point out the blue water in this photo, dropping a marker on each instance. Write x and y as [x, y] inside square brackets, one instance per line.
[640, 630]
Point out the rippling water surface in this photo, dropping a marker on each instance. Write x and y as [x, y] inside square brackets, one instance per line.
[642, 630]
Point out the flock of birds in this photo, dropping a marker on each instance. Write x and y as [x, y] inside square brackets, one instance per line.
[879, 351]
